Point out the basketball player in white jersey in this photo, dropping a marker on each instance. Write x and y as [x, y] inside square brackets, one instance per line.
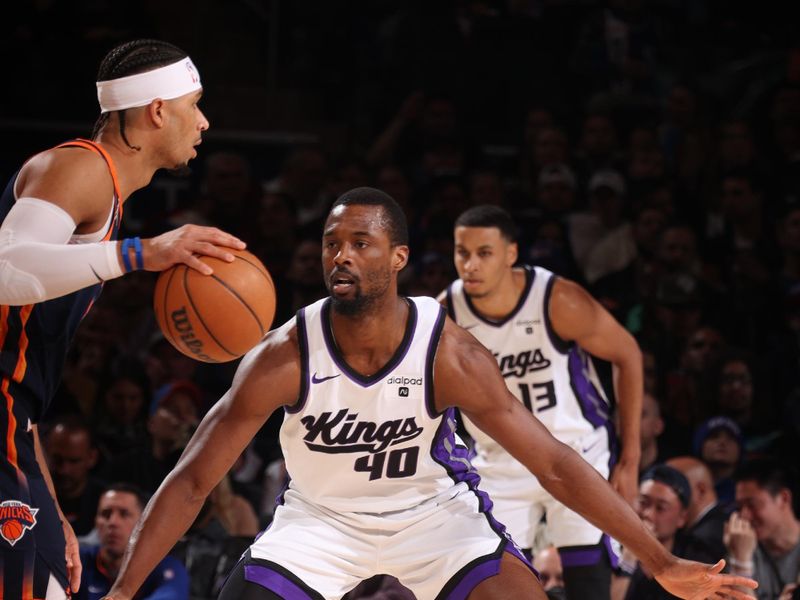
[540, 329]
[368, 381]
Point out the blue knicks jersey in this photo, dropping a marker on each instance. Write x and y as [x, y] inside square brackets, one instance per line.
[372, 444]
[34, 339]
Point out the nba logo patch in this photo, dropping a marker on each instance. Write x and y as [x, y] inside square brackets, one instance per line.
[15, 519]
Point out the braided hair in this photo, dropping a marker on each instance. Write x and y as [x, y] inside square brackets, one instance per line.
[130, 58]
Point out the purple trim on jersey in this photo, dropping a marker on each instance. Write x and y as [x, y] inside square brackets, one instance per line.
[613, 557]
[302, 342]
[275, 582]
[458, 466]
[530, 275]
[559, 344]
[455, 460]
[451, 307]
[593, 406]
[355, 376]
[430, 357]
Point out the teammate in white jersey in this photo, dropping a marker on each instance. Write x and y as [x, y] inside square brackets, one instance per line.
[380, 483]
[540, 328]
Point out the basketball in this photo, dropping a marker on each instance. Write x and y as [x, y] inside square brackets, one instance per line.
[12, 530]
[219, 317]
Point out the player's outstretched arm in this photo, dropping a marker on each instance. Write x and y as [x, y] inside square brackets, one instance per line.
[268, 377]
[467, 376]
[63, 191]
[578, 317]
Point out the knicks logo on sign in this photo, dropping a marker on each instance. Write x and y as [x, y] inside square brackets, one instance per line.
[15, 519]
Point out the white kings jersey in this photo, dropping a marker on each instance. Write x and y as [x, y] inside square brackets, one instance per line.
[554, 379]
[372, 444]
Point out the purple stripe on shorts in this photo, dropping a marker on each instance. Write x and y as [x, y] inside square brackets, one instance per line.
[473, 578]
[580, 558]
[275, 582]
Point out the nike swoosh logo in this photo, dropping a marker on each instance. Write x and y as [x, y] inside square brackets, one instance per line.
[473, 326]
[590, 446]
[315, 379]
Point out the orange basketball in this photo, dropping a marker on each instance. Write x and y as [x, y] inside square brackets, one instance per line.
[219, 317]
[12, 530]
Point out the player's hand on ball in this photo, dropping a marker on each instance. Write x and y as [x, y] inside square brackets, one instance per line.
[185, 245]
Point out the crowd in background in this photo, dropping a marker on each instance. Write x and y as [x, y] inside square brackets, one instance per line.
[648, 150]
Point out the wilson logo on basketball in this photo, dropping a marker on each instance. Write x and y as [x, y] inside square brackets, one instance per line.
[183, 325]
[15, 519]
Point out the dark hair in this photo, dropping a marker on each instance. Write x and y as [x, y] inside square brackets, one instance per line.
[73, 423]
[673, 479]
[124, 487]
[130, 58]
[768, 473]
[394, 220]
[489, 215]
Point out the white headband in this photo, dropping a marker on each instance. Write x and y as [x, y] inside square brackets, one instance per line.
[171, 81]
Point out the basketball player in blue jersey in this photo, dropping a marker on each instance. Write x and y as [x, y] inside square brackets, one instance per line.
[59, 218]
[380, 483]
[541, 329]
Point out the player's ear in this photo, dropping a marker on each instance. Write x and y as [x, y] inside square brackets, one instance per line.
[400, 257]
[155, 112]
[512, 253]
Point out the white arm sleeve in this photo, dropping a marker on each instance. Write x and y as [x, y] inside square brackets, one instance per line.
[36, 261]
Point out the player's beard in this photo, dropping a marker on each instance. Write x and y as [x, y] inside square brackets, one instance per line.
[362, 301]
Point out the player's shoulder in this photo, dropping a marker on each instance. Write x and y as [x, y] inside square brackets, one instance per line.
[74, 169]
[456, 342]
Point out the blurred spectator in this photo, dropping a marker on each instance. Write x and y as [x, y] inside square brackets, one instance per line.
[119, 509]
[172, 419]
[718, 442]
[123, 401]
[485, 187]
[303, 177]
[548, 563]
[598, 147]
[690, 386]
[671, 315]
[556, 191]
[738, 398]
[304, 282]
[276, 232]
[602, 238]
[227, 191]
[664, 499]
[622, 290]
[430, 275]
[651, 429]
[615, 57]
[165, 364]
[423, 137]
[223, 530]
[763, 536]
[71, 456]
[705, 517]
